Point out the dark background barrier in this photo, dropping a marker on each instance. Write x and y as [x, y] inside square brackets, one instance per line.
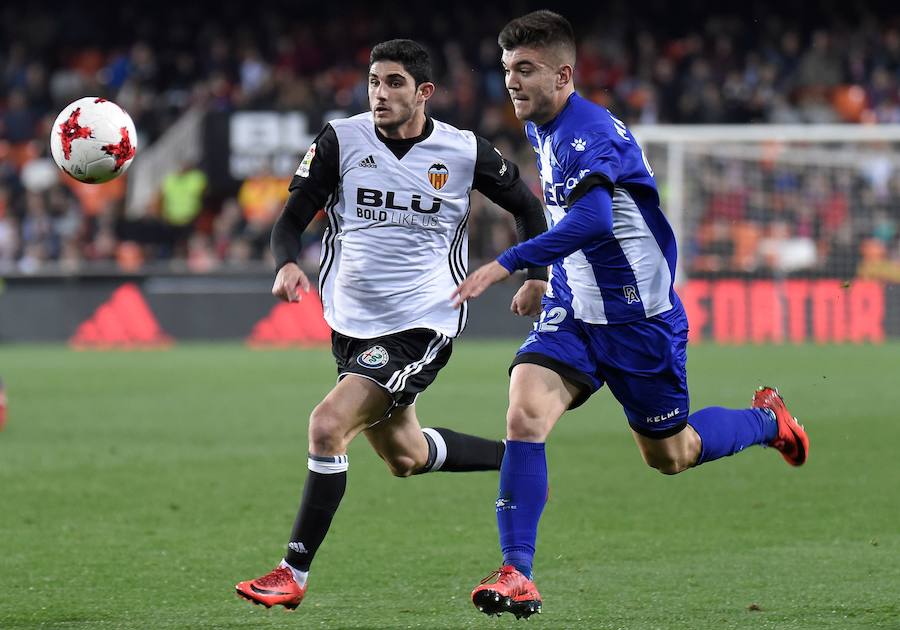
[189, 307]
[227, 307]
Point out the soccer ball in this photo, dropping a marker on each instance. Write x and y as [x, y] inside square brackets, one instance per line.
[93, 140]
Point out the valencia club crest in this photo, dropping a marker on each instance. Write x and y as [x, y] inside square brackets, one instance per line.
[438, 175]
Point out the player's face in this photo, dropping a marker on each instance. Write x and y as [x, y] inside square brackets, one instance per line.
[394, 97]
[533, 80]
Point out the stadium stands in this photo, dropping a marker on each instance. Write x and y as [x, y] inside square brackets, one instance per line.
[789, 65]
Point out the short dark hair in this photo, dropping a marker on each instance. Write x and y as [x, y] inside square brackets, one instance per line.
[411, 55]
[539, 29]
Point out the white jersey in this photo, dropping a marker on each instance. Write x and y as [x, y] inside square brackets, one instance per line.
[396, 245]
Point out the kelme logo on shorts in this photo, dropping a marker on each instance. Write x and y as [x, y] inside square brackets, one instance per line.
[374, 357]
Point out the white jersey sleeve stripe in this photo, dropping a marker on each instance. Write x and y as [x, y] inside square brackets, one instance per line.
[457, 264]
[329, 239]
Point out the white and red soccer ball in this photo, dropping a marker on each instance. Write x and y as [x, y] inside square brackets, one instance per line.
[93, 140]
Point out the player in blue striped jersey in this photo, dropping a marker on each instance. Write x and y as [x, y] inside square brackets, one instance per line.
[611, 314]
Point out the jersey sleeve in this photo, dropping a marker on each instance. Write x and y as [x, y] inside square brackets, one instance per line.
[494, 174]
[315, 180]
[588, 160]
[589, 220]
[498, 179]
[319, 171]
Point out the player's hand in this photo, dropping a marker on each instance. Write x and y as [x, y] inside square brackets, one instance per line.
[477, 282]
[527, 300]
[289, 282]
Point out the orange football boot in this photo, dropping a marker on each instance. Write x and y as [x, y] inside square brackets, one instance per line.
[792, 440]
[511, 592]
[274, 588]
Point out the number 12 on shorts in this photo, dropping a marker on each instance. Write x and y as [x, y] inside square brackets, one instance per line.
[550, 320]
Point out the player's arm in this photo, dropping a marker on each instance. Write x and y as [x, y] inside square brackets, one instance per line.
[310, 188]
[588, 221]
[498, 180]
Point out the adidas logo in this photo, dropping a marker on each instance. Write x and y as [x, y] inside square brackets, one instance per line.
[297, 547]
[369, 162]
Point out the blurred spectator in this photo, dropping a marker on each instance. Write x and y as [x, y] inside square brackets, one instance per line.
[786, 252]
[9, 235]
[261, 198]
[182, 201]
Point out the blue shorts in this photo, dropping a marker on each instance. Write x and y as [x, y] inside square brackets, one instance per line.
[642, 362]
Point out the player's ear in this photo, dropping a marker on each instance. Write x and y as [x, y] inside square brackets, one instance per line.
[564, 76]
[425, 90]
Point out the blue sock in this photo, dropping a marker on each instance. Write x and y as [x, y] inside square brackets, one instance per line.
[523, 492]
[725, 432]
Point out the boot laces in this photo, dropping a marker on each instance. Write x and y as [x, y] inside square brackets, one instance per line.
[279, 576]
[501, 575]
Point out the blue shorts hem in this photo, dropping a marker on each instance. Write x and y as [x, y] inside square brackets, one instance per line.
[659, 434]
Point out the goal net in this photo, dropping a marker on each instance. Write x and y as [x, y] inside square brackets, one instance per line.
[786, 233]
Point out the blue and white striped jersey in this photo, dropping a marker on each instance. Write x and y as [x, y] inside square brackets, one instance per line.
[624, 272]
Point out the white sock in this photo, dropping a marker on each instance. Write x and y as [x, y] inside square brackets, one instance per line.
[299, 576]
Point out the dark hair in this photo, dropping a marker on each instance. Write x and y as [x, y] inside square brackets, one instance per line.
[411, 55]
[539, 29]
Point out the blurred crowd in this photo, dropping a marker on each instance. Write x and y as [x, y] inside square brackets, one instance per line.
[794, 63]
[754, 217]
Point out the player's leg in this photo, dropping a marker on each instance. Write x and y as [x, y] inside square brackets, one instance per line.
[346, 410]
[647, 374]
[723, 432]
[669, 455]
[408, 449]
[399, 441]
[351, 406]
[551, 373]
[538, 397]
[409, 362]
[716, 432]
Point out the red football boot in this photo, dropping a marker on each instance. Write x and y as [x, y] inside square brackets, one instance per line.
[512, 592]
[272, 589]
[791, 441]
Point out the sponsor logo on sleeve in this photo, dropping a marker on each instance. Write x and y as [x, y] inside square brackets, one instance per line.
[503, 168]
[303, 169]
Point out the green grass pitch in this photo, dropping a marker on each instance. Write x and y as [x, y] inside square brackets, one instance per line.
[137, 488]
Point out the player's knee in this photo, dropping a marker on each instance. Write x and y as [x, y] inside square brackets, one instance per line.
[402, 466]
[525, 424]
[668, 463]
[326, 434]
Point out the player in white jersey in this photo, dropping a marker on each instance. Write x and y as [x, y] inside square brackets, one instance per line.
[612, 316]
[395, 186]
